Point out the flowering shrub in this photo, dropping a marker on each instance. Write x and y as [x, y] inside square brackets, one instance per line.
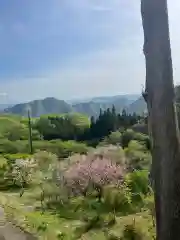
[92, 173]
[16, 173]
[22, 171]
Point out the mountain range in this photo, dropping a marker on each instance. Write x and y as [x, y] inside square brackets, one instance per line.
[89, 107]
[50, 105]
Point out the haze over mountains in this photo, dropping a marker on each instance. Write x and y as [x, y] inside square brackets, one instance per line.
[90, 107]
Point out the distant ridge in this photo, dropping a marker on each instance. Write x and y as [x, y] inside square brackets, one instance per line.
[40, 107]
[50, 105]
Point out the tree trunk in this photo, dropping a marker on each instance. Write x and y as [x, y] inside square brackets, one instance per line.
[162, 118]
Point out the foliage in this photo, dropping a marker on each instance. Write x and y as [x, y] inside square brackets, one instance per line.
[3, 170]
[137, 156]
[127, 136]
[8, 122]
[114, 138]
[116, 154]
[13, 157]
[20, 133]
[138, 184]
[117, 199]
[65, 127]
[92, 173]
[44, 159]
[74, 127]
[17, 173]
[60, 148]
[22, 172]
[131, 233]
[109, 121]
[141, 127]
[10, 147]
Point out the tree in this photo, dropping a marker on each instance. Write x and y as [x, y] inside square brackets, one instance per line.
[162, 119]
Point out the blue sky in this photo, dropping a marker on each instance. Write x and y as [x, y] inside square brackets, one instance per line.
[74, 48]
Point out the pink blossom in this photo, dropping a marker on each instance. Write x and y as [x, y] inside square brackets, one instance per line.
[101, 171]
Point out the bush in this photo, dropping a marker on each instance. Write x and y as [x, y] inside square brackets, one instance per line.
[117, 199]
[141, 128]
[143, 139]
[3, 170]
[132, 233]
[130, 135]
[44, 159]
[72, 146]
[20, 132]
[3, 162]
[137, 157]
[138, 184]
[92, 172]
[9, 147]
[116, 154]
[22, 172]
[13, 157]
[16, 174]
[127, 136]
[114, 138]
[60, 148]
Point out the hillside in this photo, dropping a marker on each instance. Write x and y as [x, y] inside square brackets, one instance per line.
[91, 108]
[105, 99]
[4, 106]
[55, 106]
[41, 107]
[138, 106]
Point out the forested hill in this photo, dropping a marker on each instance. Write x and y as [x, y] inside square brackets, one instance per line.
[90, 108]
